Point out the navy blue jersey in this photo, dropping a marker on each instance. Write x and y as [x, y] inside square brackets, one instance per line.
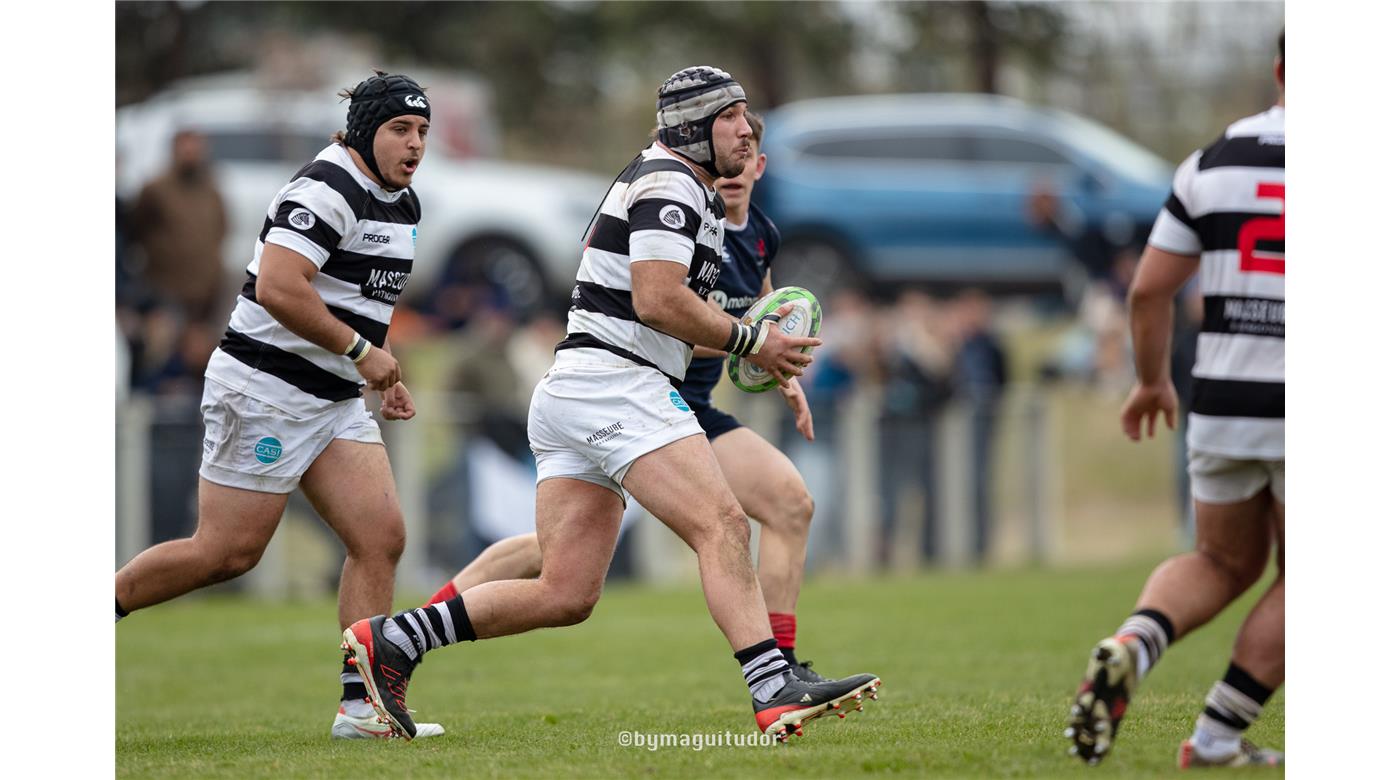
[746, 257]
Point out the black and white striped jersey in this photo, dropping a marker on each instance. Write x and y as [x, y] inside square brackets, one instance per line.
[1227, 206]
[362, 238]
[658, 209]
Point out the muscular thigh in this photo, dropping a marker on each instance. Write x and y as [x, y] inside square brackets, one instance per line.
[576, 523]
[236, 519]
[351, 487]
[682, 485]
[761, 476]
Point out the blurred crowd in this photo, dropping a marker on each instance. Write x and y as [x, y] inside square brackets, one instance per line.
[914, 352]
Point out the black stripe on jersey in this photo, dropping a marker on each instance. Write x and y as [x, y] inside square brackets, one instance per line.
[1221, 230]
[405, 211]
[704, 270]
[647, 214]
[379, 278]
[377, 332]
[1237, 398]
[640, 168]
[320, 233]
[338, 179]
[1176, 209]
[1243, 151]
[295, 370]
[589, 341]
[610, 234]
[604, 300]
[1243, 316]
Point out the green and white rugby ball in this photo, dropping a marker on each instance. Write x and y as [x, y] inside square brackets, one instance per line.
[805, 319]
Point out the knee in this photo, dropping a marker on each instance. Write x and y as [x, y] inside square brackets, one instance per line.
[576, 604]
[385, 544]
[226, 564]
[792, 514]
[1241, 568]
[732, 530]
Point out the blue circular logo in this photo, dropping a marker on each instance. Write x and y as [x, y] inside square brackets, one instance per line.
[678, 401]
[267, 450]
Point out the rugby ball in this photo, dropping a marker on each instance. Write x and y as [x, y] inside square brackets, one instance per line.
[805, 319]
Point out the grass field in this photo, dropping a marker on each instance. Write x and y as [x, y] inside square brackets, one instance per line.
[978, 670]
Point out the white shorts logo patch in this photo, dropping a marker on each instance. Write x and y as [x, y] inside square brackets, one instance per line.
[302, 219]
[672, 217]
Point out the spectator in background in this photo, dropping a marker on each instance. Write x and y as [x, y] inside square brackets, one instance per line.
[917, 359]
[180, 221]
[980, 377]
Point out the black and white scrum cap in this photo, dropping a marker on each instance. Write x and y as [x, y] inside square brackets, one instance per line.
[686, 106]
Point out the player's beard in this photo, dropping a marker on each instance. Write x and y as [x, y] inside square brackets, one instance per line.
[729, 167]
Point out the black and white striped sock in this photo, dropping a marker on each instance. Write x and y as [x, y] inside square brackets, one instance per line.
[765, 669]
[1154, 631]
[429, 627]
[352, 687]
[1231, 706]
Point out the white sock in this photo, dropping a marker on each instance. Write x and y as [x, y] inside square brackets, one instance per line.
[1144, 660]
[1214, 740]
[357, 708]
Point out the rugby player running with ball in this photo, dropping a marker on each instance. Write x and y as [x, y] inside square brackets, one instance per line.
[766, 483]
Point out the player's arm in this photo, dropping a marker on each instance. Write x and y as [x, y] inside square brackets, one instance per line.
[1159, 276]
[662, 300]
[706, 352]
[284, 289]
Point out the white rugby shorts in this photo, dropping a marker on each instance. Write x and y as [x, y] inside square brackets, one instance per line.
[1221, 480]
[255, 446]
[595, 413]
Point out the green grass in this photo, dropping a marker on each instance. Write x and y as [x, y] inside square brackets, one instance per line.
[978, 670]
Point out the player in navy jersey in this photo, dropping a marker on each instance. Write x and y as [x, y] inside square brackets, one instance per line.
[282, 399]
[768, 486]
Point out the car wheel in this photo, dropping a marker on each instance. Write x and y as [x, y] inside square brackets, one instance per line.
[814, 263]
[503, 265]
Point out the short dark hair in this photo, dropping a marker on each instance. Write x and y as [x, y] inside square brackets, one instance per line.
[756, 124]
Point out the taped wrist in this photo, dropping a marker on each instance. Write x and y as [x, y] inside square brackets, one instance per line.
[358, 349]
[748, 339]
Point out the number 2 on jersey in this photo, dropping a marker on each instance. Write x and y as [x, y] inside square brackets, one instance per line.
[1262, 229]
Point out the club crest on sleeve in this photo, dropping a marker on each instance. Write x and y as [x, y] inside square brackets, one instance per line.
[302, 219]
[672, 217]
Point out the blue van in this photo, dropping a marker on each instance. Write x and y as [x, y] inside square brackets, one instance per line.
[935, 188]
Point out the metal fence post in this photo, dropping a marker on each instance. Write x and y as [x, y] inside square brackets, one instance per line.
[133, 510]
[953, 466]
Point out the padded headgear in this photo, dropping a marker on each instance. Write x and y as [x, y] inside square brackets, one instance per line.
[374, 101]
[686, 106]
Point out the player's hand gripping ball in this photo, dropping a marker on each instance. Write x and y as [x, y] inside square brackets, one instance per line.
[805, 319]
